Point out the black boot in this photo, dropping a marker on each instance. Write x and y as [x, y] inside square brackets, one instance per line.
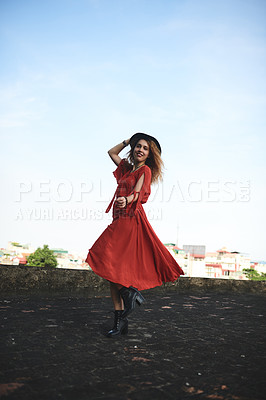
[130, 297]
[120, 325]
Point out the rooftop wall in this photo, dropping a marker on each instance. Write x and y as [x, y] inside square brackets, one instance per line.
[43, 281]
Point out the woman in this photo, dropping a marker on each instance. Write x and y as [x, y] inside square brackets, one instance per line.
[128, 253]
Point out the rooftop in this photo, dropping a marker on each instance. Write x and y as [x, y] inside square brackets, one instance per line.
[179, 346]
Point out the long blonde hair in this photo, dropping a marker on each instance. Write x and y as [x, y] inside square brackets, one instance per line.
[154, 160]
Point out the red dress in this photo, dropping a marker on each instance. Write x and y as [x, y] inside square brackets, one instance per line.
[129, 252]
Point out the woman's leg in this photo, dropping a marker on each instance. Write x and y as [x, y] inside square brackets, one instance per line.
[120, 324]
[115, 295]
[125, 298]
[131, 296]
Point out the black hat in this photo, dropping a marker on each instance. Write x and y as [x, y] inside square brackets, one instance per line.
[137, 136]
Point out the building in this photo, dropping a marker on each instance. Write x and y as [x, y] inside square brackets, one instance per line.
[222, 263]
[226, 264]
[195, 256]
[67, 260]
[15, 253]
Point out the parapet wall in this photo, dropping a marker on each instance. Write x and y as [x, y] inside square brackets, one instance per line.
[19, 280]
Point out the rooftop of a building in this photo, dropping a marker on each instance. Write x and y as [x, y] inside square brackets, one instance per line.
[181, 345]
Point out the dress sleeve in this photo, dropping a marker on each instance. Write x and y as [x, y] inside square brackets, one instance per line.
[144, 192]
[121, 169]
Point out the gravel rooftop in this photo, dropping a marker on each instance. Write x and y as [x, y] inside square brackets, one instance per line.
[179, 346]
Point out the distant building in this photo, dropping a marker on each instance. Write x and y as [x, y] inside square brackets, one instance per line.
[196, 251]
[195, 265]
[195, 262]
[226, 264]
[59, 252]
[15, 253]
[66, 260]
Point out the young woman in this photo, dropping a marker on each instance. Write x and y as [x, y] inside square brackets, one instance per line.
[128, 253]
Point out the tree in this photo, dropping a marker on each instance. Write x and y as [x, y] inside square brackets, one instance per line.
[42, 258]
[254, 275]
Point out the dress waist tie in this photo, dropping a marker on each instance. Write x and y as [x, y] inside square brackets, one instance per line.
[111, 203]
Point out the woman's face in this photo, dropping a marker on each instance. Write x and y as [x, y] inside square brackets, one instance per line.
[141, 151]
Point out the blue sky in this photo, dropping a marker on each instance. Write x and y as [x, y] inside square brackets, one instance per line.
[77, 77]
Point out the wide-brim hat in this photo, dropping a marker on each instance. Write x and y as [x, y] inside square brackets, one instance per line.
[137, 136]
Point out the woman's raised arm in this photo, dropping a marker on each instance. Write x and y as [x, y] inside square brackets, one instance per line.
[114, 151]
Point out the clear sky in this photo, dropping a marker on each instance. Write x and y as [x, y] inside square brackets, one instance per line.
[79, 76]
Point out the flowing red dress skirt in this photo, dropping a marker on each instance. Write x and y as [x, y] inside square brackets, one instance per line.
[130, 253]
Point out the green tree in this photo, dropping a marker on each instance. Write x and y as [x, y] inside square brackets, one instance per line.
[254, 275]
[42, 258]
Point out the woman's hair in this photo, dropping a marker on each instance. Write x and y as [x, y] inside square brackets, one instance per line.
[153, 161]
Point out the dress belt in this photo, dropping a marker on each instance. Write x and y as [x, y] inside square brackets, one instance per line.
[111, 203]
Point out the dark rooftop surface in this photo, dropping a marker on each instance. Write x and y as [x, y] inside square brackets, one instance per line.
[179, 346]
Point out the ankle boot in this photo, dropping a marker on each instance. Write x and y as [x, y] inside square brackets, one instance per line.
[120, 325]
[130, 297]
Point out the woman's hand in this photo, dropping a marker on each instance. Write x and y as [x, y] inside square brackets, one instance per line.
[121, 202]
